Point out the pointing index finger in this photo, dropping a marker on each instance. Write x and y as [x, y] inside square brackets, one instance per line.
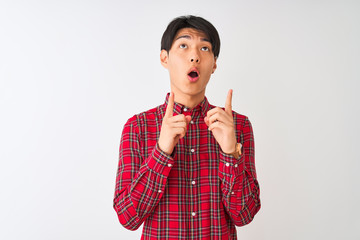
[228, 107]
[170, 106]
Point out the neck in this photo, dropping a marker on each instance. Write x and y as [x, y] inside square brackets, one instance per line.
[188, 100]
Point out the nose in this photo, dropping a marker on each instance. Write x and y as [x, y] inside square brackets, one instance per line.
[197, 60]
[194, 57]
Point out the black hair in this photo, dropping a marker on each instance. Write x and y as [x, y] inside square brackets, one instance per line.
[195, 22]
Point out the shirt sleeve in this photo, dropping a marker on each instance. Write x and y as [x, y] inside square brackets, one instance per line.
[239, 186]
[140, 182]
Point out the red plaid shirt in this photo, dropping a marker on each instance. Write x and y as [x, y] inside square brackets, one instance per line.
[197, 192]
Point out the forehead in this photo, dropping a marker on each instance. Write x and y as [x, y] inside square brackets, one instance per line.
[191, 32]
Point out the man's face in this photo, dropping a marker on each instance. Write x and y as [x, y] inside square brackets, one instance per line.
[190, 62]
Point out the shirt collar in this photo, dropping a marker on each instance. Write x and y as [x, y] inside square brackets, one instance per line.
[203, 107]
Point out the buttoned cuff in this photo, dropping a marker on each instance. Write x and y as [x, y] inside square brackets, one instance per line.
[160, 162]
[229, 164]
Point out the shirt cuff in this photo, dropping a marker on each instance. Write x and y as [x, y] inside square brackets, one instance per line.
[160, 161]
[229, 164]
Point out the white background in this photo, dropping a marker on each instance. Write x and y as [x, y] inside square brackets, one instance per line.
[72, 73]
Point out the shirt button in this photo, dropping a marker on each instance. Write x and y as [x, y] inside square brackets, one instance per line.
[236, 165]
[185, 109]
[192, 122]
[227, 164]
[193, 213]
[193, 182]
[232, 193]
[159, 191]
[192, 150]
[169, 165]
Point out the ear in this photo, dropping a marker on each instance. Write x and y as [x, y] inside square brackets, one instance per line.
[164, 58]
[214, 67]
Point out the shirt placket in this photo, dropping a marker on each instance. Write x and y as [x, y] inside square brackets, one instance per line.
[192, 173]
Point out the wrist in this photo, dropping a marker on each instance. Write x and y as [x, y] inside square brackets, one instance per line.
[236, 152]
[166, 151]
[231, 150]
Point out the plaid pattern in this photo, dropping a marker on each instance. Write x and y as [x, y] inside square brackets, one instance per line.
[198, 192]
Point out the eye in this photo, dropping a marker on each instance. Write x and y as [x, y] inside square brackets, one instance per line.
[183, 46]
[205, 49]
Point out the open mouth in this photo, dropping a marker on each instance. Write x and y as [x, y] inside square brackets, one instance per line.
[193, 75]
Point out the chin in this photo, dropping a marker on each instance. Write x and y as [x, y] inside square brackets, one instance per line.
[193, 92]
[191, 89]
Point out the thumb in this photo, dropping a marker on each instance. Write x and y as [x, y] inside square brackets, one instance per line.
[188, 119]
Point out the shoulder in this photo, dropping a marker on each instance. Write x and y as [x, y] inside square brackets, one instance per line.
[139, 119]
[240, 119]
[242, 123]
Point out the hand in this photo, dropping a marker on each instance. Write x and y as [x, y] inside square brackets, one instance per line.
[221, 124]
[173, 127]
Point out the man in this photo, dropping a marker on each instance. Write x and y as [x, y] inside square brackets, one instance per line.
[186, 168]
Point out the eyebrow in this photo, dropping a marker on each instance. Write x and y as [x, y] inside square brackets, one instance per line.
[188, 37]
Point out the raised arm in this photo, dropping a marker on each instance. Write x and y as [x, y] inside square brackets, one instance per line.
[140, 182]
[240, 188]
